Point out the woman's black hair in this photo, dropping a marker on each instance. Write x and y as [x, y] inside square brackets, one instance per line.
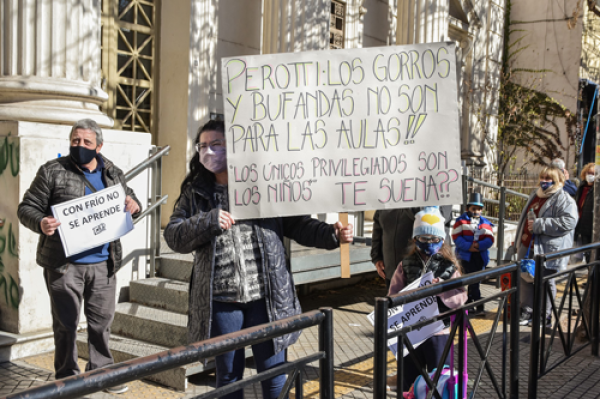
[197, 170]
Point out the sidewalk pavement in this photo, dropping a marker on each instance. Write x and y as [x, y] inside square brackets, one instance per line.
[578, 377]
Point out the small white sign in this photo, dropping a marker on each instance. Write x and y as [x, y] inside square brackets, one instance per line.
[411, 313]
[93, 220]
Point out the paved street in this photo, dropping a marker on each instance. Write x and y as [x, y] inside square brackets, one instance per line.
[579, 377]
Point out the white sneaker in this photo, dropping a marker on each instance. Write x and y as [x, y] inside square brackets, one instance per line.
[117, 390]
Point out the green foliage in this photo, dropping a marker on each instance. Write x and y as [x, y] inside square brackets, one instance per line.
[528, 119]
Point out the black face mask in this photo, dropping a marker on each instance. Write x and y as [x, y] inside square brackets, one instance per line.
[473, 215]
[82, 155]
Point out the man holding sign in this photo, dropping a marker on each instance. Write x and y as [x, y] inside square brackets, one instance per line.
[89, 274]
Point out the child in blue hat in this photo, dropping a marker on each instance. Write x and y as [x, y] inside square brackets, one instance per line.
[473, 236]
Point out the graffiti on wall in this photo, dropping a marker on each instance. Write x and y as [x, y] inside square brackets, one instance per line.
[9, 170]
[9, 290]
[9, 156]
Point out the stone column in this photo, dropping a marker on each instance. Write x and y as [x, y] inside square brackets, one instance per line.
[295, 25]
[50, 61]
[422, 21]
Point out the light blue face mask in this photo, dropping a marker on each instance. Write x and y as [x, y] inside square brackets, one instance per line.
[545, 185]
[430, 248]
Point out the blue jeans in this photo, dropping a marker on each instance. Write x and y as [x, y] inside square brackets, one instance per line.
[231, 317]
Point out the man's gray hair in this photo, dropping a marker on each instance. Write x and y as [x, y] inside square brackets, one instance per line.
[91, 125]
[558, 163]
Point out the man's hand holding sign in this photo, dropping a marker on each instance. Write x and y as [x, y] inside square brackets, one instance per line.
[49, 224]
[87, 223]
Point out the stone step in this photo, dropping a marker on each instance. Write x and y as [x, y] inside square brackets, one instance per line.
[148, 324]
[161, 293]
[124, 349]
[175, 267]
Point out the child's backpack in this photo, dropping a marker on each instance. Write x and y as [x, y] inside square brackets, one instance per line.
[447, 382]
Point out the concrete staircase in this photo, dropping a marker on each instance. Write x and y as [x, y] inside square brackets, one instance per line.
[154, 320]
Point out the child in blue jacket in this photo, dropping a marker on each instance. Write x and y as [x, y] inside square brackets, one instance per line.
[473, 236]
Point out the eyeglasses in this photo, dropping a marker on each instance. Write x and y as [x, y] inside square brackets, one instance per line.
[426, 240]
[214, 145]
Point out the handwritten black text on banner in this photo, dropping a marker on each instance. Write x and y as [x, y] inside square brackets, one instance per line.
[342, 130]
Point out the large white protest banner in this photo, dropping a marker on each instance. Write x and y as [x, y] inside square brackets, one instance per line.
[411, 313]
[342, 130]
[93, 220]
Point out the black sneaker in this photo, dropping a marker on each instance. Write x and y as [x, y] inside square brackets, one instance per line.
[476, 311]
[525, 318]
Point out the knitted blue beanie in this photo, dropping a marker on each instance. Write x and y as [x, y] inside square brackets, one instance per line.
[429, 221]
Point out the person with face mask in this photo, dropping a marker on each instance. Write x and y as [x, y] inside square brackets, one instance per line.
[473, 235]
[91, 274]
[547, 224]
[428, 253]
[240, 277]
[569, 186]
[585, 206]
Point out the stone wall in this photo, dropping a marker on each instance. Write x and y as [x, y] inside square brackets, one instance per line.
[590, 52]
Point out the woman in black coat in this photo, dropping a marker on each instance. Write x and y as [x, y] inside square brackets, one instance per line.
[240, 277]
[585, 205]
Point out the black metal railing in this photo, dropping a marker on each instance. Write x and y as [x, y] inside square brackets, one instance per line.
[155, 201]
[461, 324]
[117, 374]
[541, 349]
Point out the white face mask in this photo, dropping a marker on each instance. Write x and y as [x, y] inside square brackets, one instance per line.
[590, 178]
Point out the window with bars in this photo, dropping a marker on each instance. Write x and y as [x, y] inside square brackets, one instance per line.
[128, 55]
[337, 24]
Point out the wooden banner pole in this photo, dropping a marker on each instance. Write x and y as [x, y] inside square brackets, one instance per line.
[344, 249]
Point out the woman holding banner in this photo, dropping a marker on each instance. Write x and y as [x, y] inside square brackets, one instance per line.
[240, 276]
[428, 253]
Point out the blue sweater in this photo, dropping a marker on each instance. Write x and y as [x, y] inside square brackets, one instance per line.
[98, 254]
[570, 188]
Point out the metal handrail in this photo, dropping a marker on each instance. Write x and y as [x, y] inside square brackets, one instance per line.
[134, 369]
[451, 284]
[540, 298]
[151, 209]
[571, 251]
[154, 162]
[142, 166]
[502, 204]
[489, 185]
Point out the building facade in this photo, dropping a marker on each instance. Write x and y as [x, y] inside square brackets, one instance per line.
[150, 69]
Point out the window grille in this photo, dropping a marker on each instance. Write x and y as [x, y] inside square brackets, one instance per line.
[337, 24]
[128, 56]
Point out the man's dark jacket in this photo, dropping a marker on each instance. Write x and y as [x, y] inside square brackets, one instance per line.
[392, 237]
[58, 181]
